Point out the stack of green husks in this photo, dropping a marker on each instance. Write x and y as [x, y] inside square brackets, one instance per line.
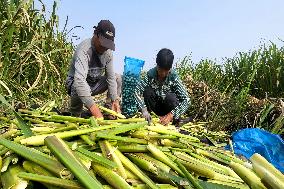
[53, 151]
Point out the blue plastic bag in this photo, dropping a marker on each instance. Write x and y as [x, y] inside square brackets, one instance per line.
[130, 79]
[246, 142]
[133, 66]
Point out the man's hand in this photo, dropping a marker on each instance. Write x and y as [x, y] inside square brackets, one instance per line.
[115, 106]
[96, 112]
[166, 119]
[146, 115]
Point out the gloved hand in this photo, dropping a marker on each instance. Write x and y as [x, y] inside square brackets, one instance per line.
[96, 112]
[146, 115]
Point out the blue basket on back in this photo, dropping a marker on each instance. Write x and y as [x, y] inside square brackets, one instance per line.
[130, 79]
[133, 66]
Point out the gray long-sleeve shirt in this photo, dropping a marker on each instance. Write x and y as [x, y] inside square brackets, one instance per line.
[87, 66]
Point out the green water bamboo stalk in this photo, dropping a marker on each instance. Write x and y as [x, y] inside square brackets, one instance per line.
[119, 138]
[87, 140]
[10, 159]
[37, 169]
[248, 176]
[268, 174]
[207, 165]
[163, 130]
[108, 151]
[111, 177]
[230, 184]
[257, 160]
[142, 163]
[39, 139]
[10, 133]
[162, 186]
[126, 127]
[189, 177]
[129, 120]
[119, 115]
[136, 148]
[11, 180]
[148, 135]
[62, 183]
[66, 156]
[129, 165]
[224, 168]
[69, 118]
[97, 158]
[158, 154]
[58, 130]
[160, 165]
[37, 157]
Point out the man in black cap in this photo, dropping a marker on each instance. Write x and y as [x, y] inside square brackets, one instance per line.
[91, 72]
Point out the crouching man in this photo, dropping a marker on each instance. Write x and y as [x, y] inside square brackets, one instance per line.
[163, 91]
[91, 72]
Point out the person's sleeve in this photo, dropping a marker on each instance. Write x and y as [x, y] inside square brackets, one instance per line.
[183, 97]
[138, 93]
[111, 79]
[80, 83]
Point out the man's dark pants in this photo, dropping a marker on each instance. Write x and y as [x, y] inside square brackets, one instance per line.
[158, 105]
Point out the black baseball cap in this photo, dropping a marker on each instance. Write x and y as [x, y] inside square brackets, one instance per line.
[106, 33]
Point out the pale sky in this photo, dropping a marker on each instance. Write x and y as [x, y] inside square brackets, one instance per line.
[206, 28]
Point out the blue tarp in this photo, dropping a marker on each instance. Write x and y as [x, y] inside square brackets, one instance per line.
[246, 142]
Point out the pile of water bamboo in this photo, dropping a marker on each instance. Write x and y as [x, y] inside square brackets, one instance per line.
[41, 149]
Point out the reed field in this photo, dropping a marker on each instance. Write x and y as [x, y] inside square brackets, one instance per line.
[34, 54]
[243, 91]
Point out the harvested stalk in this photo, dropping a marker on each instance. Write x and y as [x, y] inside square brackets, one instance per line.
[126, 127]
[12, 158]
[158, 154]
[111, 177]
[111, 112]
[65, 155]
[259, 161]
[163, 130]
[68, 118]
[248, 176]
[158, 164]
[64, 183]
[161, 186]
[87, 140]
[119, 138]
[189, 177]
[127, 163]
[143, 163]
[109, 152]
[39, 139]
[10, 179]
[97, 158]
[38, 157]
[268, 174]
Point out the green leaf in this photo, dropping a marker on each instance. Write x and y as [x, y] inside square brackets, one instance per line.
[175, 178]
[205, 185]
[264, 113]
[26, 130]
[279, 122]
[208, 185]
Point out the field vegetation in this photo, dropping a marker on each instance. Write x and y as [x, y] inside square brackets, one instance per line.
[238, 92]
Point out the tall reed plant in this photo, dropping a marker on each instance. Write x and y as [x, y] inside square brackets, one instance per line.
[34, 53]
